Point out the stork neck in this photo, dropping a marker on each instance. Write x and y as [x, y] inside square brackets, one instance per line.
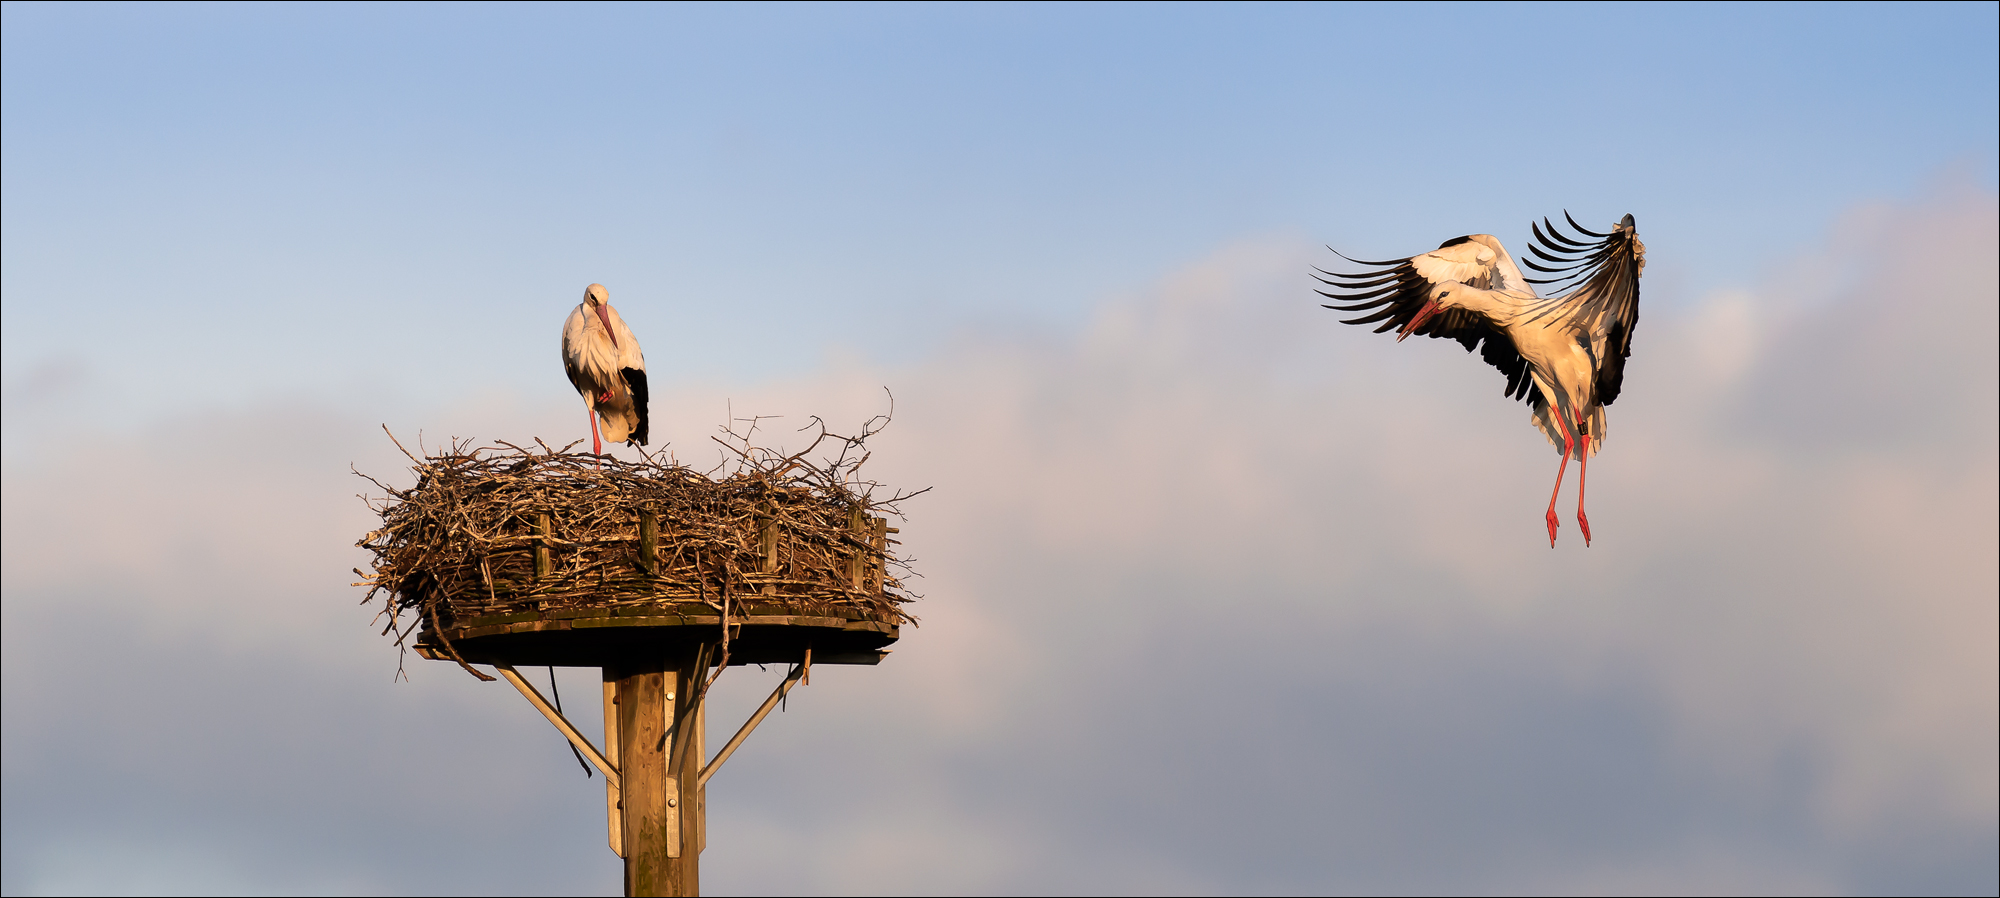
[1490, 303]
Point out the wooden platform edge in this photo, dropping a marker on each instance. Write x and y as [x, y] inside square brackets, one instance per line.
[433, 653]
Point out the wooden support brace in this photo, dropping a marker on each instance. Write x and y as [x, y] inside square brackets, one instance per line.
[575, 738]
[791, 679]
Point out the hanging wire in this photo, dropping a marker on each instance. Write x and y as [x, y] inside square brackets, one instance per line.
[572, 747]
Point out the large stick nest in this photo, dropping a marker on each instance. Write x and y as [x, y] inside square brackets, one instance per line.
[505, 530]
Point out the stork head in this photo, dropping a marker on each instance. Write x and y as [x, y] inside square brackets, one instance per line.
[597, 299]
[1439, 299]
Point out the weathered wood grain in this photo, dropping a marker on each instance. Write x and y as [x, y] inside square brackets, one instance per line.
[646, 819]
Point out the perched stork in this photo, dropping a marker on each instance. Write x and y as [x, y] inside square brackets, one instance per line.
[603, 361]
[1565, 355]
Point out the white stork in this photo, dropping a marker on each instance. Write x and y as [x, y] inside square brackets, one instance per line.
[604, 363]
[1565, 354]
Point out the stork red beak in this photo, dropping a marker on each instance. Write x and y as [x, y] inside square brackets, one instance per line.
[601, 316]
[1424, 314]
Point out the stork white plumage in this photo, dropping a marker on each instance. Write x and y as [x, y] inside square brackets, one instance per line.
[1565, 355]
[604, 363]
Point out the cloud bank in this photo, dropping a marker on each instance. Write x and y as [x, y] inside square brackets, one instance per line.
[1222, 597]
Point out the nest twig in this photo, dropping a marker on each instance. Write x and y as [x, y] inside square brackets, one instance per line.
[505, 529]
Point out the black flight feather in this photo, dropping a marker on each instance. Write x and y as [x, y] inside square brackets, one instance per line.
[636, 379]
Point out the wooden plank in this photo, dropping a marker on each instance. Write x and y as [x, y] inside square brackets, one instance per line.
[772, 621]
[879, 540]
[857, 569]
[543, 565]
[676, 621]
[689, 607]
[576, 613]
[831, 623]
[761, 612]
[488, 620]
[649, 543]
[869, 657]
[532, 626]
[768, 537]
[684, 764]
[660, 609]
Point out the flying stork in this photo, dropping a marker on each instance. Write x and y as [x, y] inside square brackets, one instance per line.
[1564, 355]
[604, 363]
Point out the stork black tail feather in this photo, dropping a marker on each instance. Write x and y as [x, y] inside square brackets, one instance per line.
[636, 379]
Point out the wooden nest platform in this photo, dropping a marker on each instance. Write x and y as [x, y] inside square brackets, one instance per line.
[509, 556]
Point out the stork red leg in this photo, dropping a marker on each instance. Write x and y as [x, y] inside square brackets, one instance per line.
[596, 446]
[1582, 471]
[1569, 445]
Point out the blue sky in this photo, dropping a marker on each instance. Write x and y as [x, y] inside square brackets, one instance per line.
[878, 178]
[1073, 240]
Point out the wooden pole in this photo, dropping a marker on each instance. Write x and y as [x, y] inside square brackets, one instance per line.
[650, 827]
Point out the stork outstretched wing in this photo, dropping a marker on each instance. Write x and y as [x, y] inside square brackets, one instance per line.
[1395, 292]
[1602, 277]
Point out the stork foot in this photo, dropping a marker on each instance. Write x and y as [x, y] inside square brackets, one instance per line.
[1555, 522]
[1581, 521]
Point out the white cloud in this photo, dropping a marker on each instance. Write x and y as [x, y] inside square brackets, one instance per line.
[1221, 562]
